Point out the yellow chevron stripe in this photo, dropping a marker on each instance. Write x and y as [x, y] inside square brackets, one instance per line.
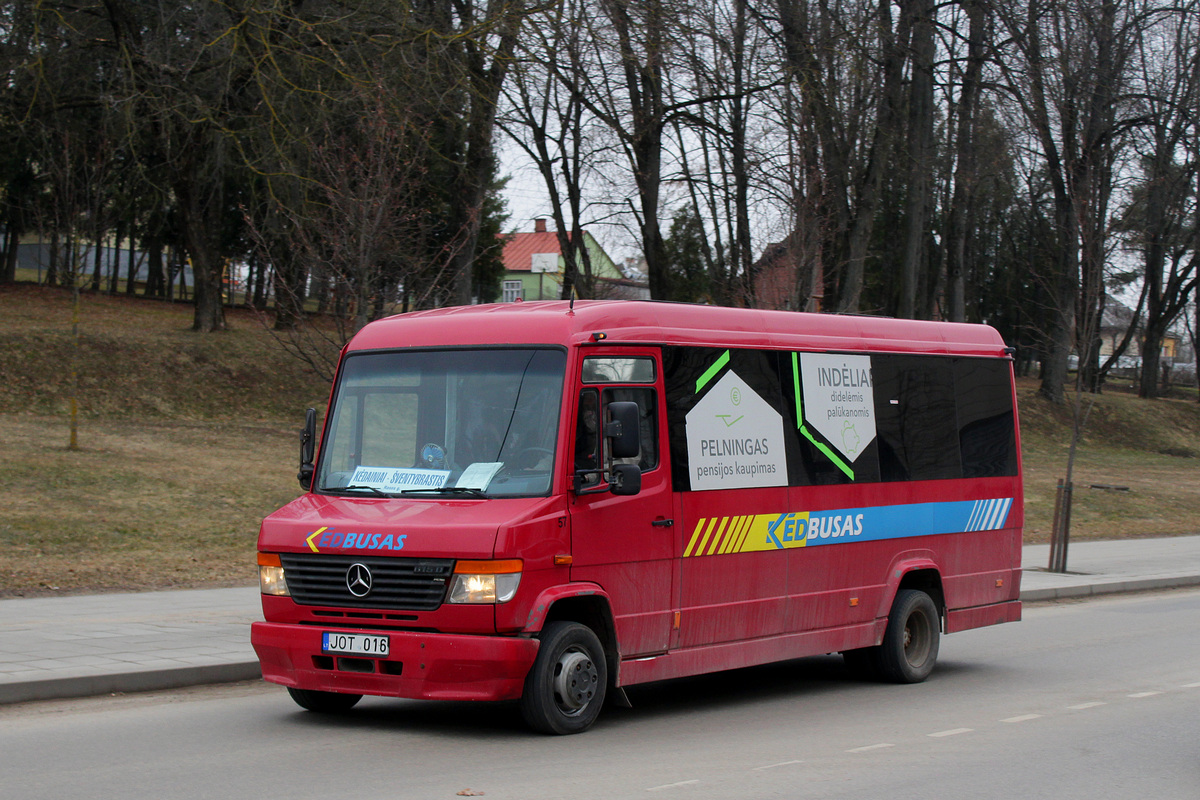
[743, 533]
[717, 540]
[730, 532]
[735, 534]
[712, 523]
[695, 535]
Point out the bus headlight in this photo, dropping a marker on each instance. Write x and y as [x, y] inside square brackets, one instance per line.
[270, 575]
[485, 581]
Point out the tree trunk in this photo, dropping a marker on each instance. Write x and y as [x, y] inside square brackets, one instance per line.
[209, 313]
[260, 285]
[98, 263]
[52, 269]
[963, 203]
[920, 154]
[1148, 382]
[486, 81]
[68, 274]
[200, 217]
[643, 76]
[744, 253]
[1154, 259]
[895, 46]
[8, 269]
[131, 270]
[1062, 313]
[114, 274]
[156, 278]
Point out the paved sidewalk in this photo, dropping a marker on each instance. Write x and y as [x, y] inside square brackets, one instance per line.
[96, 644]
[56, 647]
[1126, 565]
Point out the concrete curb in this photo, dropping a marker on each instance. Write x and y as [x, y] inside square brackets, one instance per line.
[1108, 587]
[133, 681]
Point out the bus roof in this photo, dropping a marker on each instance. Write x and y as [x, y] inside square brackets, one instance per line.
[649, 322]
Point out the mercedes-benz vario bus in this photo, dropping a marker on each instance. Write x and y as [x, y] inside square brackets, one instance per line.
[549, 502]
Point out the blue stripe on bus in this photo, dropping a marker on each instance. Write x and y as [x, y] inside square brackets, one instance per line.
[900, 521]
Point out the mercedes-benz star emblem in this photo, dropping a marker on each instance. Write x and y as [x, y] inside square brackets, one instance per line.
[358, 580]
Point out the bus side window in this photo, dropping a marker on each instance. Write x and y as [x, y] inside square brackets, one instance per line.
[647, 459]
[587, 436]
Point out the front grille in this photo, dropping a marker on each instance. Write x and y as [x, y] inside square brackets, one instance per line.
[316, 579]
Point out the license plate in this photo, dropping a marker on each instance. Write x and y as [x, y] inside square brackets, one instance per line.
[359, 644]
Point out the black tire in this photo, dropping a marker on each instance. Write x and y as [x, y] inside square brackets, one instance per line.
[565, 688]
[323, 702]
[910, 643]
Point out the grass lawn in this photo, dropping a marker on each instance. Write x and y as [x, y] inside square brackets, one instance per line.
[139, 505]
[1137, 469]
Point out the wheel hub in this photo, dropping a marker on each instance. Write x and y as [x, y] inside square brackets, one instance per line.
[916, 641]
[576, 681]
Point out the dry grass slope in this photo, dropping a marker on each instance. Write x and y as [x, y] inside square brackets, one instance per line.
[186, 441]
[1150, 448]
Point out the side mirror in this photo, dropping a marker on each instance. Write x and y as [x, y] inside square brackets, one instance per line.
[626, 479]
[308, 446]
[623, 429]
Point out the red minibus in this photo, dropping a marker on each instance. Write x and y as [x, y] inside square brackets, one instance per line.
[549, 502]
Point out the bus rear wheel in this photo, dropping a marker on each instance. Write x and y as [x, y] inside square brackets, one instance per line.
[323, 702]
[565, 688]
[910, 644]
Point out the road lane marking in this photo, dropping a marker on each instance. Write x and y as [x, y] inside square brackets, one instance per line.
[1192, 685]
[780, 764]
[1082, 706]
[1022, 718]
[870, 747]
[675, 785]
[951, 732]
[1140, 695]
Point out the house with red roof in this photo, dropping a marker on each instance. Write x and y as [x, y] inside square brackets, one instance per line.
[534, 267]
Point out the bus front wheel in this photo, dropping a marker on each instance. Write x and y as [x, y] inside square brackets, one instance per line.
[323, 702]
[565, 687]
[910, 644]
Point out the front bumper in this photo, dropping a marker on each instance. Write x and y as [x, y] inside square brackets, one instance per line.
[427, 666]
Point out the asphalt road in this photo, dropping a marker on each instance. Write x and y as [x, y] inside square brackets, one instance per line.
[1097, 699]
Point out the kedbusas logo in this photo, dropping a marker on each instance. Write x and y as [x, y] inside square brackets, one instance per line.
[336, 540]
[800, 528]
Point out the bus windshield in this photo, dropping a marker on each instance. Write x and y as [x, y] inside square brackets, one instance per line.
[470, 423]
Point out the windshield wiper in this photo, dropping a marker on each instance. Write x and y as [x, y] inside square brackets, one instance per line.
[372, 489]
[458, 490]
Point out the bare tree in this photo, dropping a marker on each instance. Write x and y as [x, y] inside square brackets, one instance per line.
[643, 36]
[920, 154]
[487, 34]
[828, 46]
[966, 112]
[726, 146]
[1162, 218]
[1066, 69]
[547, 119]
[361, 222]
